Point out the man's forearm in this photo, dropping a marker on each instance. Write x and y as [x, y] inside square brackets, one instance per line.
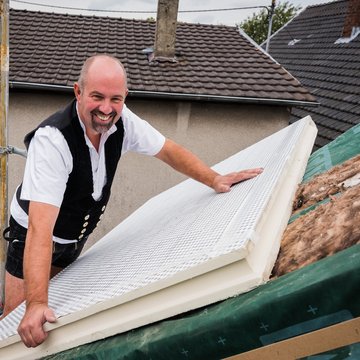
[37, 265]
[38, 252]
[187, 163]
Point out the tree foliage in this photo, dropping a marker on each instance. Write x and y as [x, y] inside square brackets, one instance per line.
[256, 26]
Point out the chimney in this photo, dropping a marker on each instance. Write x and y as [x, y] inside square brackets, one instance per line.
[165, 36]
[352, 20]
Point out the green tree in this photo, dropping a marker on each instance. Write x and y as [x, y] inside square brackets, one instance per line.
[256, 26]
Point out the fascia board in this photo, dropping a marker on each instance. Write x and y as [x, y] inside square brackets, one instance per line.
[206, 283]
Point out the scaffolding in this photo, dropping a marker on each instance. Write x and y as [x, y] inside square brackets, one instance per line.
[4, 94]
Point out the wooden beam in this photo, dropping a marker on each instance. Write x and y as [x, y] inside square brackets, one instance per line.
[316, 342]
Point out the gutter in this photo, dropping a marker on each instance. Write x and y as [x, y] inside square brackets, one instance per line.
[232, 99]
[171, 96]
[38, 86]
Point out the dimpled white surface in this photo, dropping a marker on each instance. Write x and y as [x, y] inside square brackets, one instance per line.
[181, 233]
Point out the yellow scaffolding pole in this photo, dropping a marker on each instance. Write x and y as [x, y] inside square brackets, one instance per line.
[4, 100]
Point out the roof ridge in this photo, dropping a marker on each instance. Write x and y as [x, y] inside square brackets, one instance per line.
[326, 4]
[115, 17]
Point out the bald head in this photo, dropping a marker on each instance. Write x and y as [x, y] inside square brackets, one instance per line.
[100, 93]
[99, 62]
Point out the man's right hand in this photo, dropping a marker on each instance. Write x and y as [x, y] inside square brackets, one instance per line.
[31, 326]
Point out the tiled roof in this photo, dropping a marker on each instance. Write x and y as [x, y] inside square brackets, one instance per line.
[49, 48]
[330, 71]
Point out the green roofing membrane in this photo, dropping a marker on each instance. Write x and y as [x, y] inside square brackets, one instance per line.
[344, 147]
[319, 295]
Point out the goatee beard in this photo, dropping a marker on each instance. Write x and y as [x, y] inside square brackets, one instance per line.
[102, 128]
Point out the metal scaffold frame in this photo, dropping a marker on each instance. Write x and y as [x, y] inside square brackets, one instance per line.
[4, 92]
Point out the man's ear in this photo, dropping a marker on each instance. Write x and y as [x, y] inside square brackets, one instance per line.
[77, 90]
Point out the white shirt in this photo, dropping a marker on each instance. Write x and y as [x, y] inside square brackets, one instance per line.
[49, 162]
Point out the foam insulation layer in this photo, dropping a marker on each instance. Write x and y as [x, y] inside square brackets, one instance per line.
[183, 249]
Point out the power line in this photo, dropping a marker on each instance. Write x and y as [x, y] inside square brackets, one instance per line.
[135, 11]
[228, 9]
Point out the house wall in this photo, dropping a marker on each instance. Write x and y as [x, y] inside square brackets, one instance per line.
[213, 131]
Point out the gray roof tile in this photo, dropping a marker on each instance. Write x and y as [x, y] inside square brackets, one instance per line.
[331, 71]
[48, 48]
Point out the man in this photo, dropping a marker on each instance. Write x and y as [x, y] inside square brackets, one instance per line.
[72, 158]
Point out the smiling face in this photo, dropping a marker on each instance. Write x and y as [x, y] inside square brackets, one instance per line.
[100, 95]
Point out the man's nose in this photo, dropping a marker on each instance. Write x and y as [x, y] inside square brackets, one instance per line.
[105, 107]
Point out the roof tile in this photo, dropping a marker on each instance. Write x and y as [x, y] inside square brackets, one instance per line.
[331, 71]
[49, 48]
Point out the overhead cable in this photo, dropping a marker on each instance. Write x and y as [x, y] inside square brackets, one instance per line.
[134, 11]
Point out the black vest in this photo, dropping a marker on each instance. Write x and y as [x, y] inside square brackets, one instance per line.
[79, 212]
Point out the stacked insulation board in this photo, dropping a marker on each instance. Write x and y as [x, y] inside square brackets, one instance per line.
[185, 248]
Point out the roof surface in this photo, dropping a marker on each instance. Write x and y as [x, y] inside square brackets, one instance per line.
[330, 71]
[49, 48]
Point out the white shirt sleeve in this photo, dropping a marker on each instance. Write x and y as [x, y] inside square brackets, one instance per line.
[48, 165]
[139, 135]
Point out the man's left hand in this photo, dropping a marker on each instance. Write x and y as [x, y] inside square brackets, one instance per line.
[223, 183]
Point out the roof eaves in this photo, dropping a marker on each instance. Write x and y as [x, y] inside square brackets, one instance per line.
[39, 86]
[236, 99]
[174, 96]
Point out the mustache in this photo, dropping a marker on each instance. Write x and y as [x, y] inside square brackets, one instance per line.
[98, 112]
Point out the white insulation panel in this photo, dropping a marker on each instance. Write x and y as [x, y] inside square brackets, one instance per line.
[185, 248]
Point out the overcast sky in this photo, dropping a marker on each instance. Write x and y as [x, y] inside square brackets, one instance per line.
[231, 17]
